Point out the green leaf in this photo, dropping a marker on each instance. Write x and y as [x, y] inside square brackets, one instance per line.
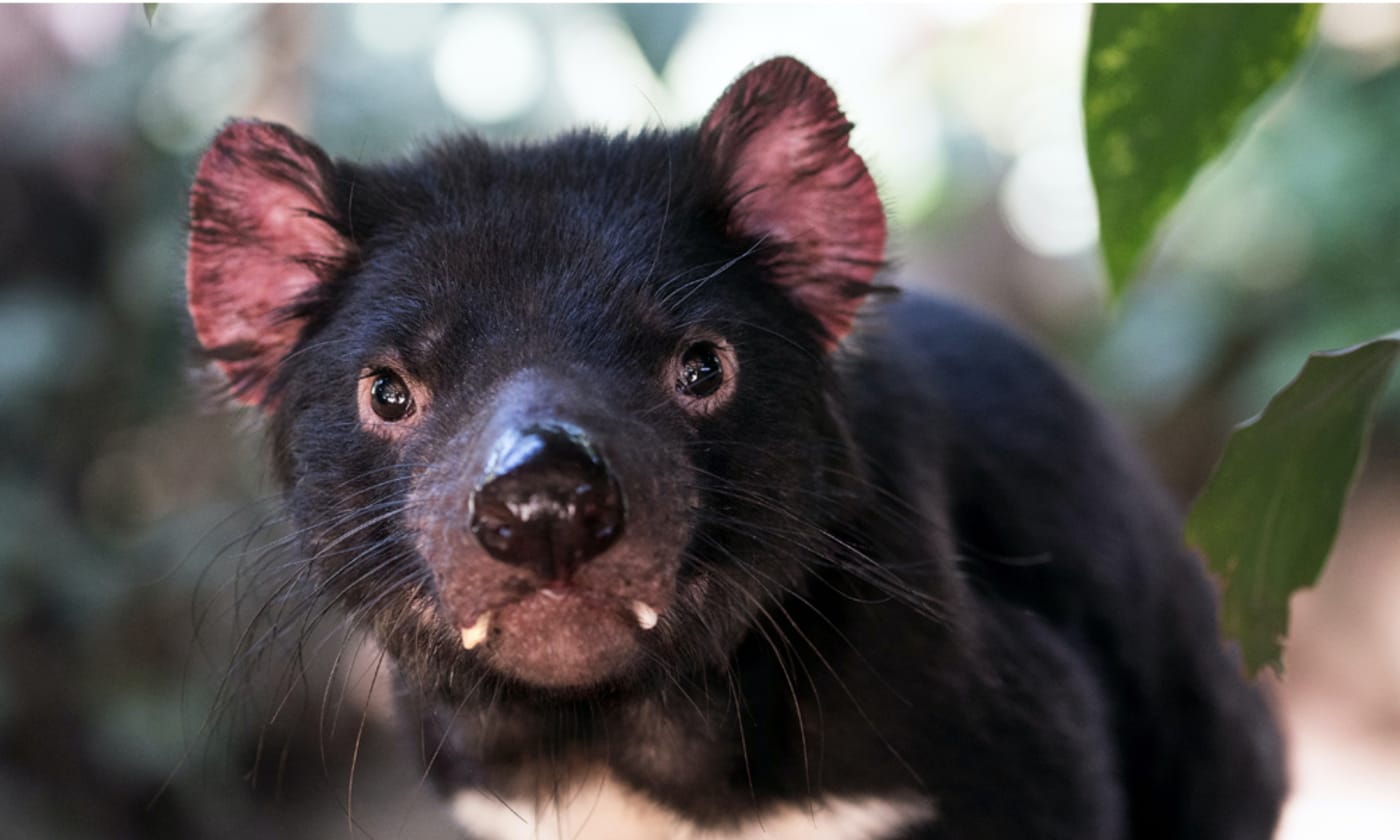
[1267, 517]
[1165, 87]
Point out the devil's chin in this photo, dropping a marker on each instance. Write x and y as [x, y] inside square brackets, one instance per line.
[561, 642]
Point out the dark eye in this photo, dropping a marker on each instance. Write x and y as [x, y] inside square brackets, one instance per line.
[389, 396]
[701, 371]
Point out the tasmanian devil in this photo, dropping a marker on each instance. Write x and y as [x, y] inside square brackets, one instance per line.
[670, 532]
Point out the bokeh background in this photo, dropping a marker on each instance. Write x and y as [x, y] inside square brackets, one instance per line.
[133, 512]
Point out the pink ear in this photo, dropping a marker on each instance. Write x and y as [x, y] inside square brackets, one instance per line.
[780, 140]
[263, 238]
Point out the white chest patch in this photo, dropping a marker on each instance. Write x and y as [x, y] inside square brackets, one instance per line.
[603, 809]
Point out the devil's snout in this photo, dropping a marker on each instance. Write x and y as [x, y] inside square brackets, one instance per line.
[549, 501]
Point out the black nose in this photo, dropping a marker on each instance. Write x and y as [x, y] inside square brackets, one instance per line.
[548, 502]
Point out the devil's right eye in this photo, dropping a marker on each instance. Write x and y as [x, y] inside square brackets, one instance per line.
[389, 396]
[701, 371]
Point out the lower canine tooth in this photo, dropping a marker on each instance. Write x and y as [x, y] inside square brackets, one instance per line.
[476, 634]
[646, 616]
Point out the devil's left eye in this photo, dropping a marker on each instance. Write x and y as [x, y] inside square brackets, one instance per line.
[701, 371]
[390, 397]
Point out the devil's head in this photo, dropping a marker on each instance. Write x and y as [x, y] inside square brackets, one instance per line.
[555, 415]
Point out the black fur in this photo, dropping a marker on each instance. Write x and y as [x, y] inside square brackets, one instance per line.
[931, 566]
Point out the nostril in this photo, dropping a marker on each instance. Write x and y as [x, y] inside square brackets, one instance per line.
[494, 537]
[549, 501]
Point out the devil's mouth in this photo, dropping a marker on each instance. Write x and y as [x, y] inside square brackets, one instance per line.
[637, 612]
[562, 637]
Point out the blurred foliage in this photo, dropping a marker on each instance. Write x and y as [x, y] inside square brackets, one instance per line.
[1165, 88]
[1269, 515]
[128, 504]
[1287, 247]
